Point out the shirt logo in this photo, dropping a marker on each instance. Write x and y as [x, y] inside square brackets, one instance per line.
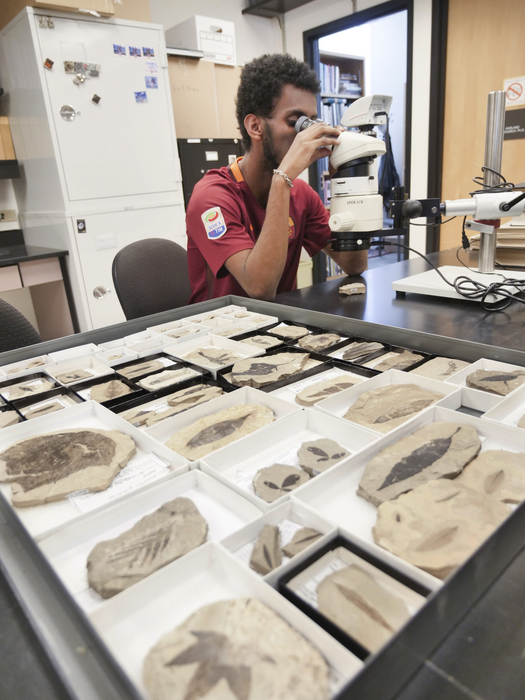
[214, 224]
[291, 227]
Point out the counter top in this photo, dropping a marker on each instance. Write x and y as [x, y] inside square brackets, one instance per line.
[14, 254]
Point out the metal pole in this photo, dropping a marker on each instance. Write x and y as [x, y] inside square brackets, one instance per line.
[493, 157]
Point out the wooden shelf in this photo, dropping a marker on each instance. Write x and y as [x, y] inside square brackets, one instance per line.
[272, 8]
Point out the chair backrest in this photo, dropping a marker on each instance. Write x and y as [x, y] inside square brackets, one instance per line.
[151, 276]
[15, 329]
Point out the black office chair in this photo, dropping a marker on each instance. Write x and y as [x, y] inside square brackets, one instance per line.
[15, 329]
[151, 276]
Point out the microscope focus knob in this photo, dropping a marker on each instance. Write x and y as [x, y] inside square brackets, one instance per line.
[342, 222]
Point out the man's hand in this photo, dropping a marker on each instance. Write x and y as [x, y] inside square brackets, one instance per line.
[353, 263]
[307, 147]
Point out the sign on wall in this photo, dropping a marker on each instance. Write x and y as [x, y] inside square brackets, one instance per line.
[515, 90]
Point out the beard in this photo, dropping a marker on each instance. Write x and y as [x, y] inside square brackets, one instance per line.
[271, 161]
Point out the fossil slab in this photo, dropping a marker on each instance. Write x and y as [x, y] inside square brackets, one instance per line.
[9, 418]
[37, 362]
[262, 341]
[289, 332]
[440, 368]
[353, 288]
[302, 539]
[157, 539]
[180, 333]
[317, 456]
[167, 378]
[28, 388]
[50, 407]
[230, 331]
[260, 371]
[237, 649]
[278, 480]
[141, 368]
[266, 554]
[74, 375]
[497, 473]
[213, 357]
[357, 350]
[185, 399]
[109, 390]
[387, 407]
[368, 612]
[219, 429]
[322, 390]
[435, 451]
[402, 360]
[437, 525]
[317, 343]
[500, 382]
[111, 358]
[48, 467]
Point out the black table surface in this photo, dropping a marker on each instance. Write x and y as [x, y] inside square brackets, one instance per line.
[453, 318]
[14, 254]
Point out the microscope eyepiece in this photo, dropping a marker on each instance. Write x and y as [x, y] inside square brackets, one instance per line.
[304, 122]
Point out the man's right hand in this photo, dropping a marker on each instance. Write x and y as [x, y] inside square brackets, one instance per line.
[308, 146]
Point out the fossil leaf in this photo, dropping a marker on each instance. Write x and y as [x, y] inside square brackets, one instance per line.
[217, 431]
[438, 540]
[403, 410]
[494, 481]
[290, 480]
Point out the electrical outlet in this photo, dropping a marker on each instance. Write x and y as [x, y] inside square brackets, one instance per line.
[7, 215]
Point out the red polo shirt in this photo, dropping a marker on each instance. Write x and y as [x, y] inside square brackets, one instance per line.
[223, 218]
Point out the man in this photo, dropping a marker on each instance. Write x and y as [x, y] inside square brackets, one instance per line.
[247, 223]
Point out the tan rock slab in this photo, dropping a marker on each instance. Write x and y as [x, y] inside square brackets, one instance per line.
[163, 379]
[353, 288]
[29, 388]
[435, 451]
[266, 554]
[360, 350]
[180, 333]
[109, 390]
[156, 540]
[184, 400]
[237, 649]
[262, 341]
[213, 357]
[48, 467]
[500, 382]
[440, 368]
[302, 539]
[261, 371]
[322, 390]
[37, 362]
[140, 369]
[497, 473]
[316, 456]
[289, 332]
[438, 525]
[9, 418]
[75, 375]
[50, 407]
[386, 407]
[230, 331]
[401, 361]
[369, 613]
[319, 342]
[219, 429]
[111, 358]
[278, 480]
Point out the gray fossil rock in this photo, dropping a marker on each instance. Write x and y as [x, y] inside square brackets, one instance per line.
[360, 350]
[109, 390]
[183, 400]
[317, 456]
[322, 390]
[497, 473]
[290, 332]
[500, 382]
[157, 539]
[260, 371]
[266, 554]
[29, 388]
[9, 418]
[237, 649]
[435, 451]
[319, 342]
[386, 407]
[50, 407]
[219, 429]
[302, 539]
[278, 480]
[440, 368]
[37, 362]
[368, 612]
[139, 369]
[167, 378]
[213, 357]
[262, 341]
[437, 525]
[401, 361]
[75, 375]
[48, 467]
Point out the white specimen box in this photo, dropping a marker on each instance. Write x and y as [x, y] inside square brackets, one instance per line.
[509, 410]
[339, 404]
[289, 517]
[90, 414]
[214, 37]
[191, 331]
[245, 351]
[290, 391]
[125, 356]
[473, 399]
[77, 351]
[460, 378]
[68, 548]
[155, 342]
[111, 344]
[230, 330]
[164, 600]
[65, 399]
[208, 316]
[165, 429]
[168, 326]
[37, 383]
[20, 369]
[259, 320]
[238, 463]
[334, 493]
[90, 364]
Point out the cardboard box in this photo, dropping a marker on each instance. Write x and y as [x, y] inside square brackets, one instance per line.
[214, 37]
[7, 150]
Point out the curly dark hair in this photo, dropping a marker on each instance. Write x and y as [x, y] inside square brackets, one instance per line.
[262, 81]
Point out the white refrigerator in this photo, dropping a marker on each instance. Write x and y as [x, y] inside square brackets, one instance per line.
[89, 104]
